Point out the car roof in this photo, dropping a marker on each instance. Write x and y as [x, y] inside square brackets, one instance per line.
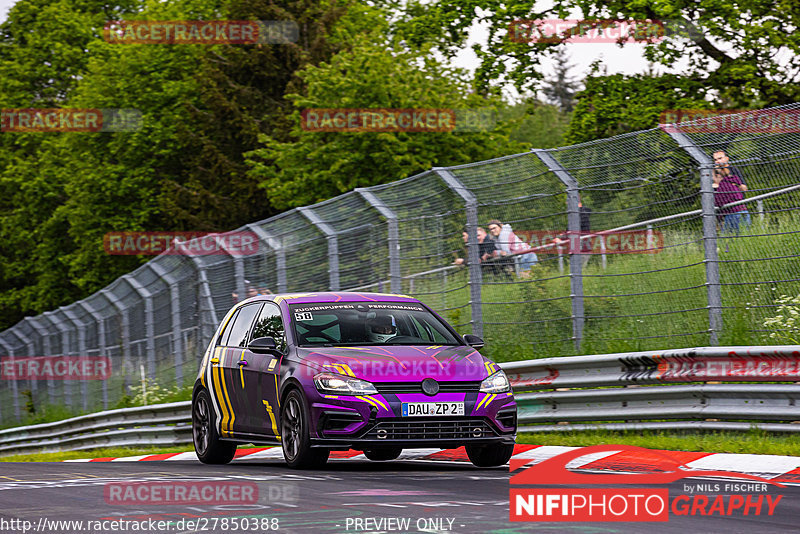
[332, 296]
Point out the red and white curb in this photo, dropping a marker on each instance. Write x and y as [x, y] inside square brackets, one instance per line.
[783, 469]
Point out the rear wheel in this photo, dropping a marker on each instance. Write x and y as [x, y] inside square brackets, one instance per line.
[209, 448]
[379, 455]
[489, 455]
[295, 439]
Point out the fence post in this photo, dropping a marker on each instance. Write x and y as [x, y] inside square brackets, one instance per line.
[395, 276]
[80, 330]
[14, 393]
[42, 331]
[175, 312]
[238, 270]
[574, 236]
[207, 328]
[473, 254]
[333, 244]
[760, 208]
[32, 383]
[62, 327]
[711, 257]
[149, 322]
[125, 327]
[101, 341]
[280, 254]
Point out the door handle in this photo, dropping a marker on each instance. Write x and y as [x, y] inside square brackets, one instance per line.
[241, 362]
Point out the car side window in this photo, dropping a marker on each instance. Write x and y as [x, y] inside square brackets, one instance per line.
[270, 323]
[241, 325]
[226, 332]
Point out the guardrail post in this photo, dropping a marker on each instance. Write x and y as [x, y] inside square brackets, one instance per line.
[280, 254]
[760, 209]
[61, 326]
[175, 312]
[473, 254]
[574, 235]
[80, 329]
[14, 390]
[333, 244]
[101, 341]
[125, 331]
[149, 322]
[395, 276]
[711, 257]
[42, 331]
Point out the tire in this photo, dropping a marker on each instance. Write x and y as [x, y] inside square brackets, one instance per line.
[295, 440]
[489, 455]
[381, 455]
[209, 447]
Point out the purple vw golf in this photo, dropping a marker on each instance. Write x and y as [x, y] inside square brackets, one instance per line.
[316, 372]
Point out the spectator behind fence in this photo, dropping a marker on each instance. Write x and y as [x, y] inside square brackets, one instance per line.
[486, 249]
[586, 228]
[722, 162]
[727, 189]
[508, 243]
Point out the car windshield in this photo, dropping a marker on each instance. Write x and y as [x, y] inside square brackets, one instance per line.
[373, 323]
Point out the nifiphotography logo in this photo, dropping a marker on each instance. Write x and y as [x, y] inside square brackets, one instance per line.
[554, 493]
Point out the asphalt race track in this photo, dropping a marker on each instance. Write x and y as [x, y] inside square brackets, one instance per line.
[431, 496]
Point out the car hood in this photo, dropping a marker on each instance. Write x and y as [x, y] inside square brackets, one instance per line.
[401, 363]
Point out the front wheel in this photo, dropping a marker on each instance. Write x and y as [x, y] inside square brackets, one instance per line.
[295, 439]
[381, 455]
[209, 448]
[489, 455]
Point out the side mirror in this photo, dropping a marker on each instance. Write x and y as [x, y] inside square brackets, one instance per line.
[263, 345]
[474, 341]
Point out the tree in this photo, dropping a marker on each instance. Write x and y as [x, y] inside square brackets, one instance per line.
[747, 51]
[561, 89]
[315, 166]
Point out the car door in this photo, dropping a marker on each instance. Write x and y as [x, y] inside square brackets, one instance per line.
[264, 370]
[232, 388]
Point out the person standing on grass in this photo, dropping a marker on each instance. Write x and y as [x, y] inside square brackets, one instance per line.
[722, 163]
[508, 243]
[727, 189]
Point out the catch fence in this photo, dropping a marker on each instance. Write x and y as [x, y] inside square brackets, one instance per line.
[696, 286]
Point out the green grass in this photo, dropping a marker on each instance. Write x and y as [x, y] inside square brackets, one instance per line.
[751, 442]
[114, 452]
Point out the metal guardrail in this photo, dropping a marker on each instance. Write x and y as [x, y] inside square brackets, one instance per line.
[158, 424]
[654, 390]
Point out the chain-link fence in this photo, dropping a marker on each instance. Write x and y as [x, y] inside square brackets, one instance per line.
[629, 244]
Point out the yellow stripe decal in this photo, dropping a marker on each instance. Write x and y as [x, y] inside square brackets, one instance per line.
[241, 370]
[271, 417]
[379, 402]
[278, 393]
[482, 401]
[367, 399]
[231, 415]
[218, 395]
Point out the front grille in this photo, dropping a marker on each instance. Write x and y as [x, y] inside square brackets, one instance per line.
[416, 387]
[427, 429]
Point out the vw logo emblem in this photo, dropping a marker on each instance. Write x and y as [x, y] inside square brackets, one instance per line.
[430, 387]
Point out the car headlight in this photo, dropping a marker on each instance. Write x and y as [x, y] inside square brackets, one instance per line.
[496, 383]
[334, 384]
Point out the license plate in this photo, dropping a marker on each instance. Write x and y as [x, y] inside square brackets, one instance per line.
[427, 409]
